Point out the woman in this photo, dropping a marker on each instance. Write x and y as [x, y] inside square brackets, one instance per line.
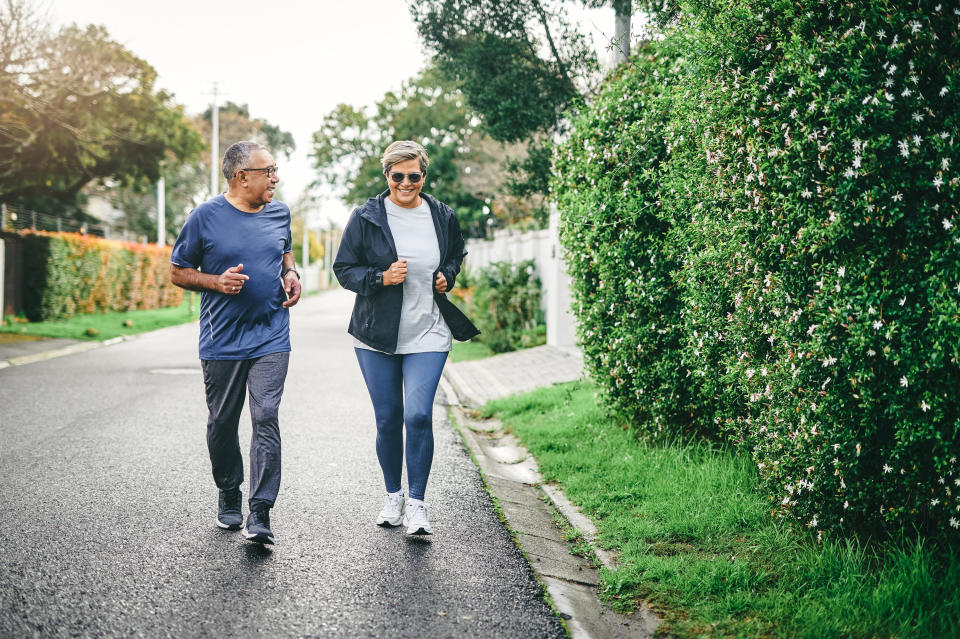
[400, 253]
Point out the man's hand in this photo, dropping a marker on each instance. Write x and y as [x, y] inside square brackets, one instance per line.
[291, 286]
[396, 273]
[440, 284]
[230, 282]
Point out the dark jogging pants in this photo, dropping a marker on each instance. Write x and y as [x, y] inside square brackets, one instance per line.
[226, 381]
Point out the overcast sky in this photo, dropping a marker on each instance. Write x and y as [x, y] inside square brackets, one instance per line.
[291, 61]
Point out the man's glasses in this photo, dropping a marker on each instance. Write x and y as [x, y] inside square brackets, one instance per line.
[269, 170]
[413, 177]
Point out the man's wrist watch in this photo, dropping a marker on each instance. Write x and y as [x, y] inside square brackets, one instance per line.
[289, 270]
[379, 278]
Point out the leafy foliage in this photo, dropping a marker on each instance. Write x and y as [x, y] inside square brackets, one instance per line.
[67, 274]
[504, 301]
[77, 107]
[776, 259]
[350, 141]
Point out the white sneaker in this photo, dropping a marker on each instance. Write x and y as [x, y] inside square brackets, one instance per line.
[393, 508]
[415, 519]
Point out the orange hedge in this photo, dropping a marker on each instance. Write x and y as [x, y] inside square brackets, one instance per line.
[68, 273]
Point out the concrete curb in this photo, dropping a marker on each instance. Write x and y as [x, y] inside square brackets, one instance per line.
[62, 352]
[529, 508]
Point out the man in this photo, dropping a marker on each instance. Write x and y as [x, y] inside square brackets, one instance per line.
[236, 250]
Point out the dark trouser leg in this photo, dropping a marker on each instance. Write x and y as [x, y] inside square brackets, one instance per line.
[225, 383]
[265, 381]
[421, 375]
[382, 373]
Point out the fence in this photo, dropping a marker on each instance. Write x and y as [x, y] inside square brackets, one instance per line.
[14, 218]
[543, 247]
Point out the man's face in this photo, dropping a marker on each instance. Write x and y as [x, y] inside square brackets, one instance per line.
[260, 186]
[405, 193]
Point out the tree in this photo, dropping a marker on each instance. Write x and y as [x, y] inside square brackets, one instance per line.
[75, 108]
[187, 182]
[350, 141]
[518, 63]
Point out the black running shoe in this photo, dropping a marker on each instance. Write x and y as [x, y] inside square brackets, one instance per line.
[229, 513]
[258, 527]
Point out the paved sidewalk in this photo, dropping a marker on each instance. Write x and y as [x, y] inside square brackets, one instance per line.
[477, 382]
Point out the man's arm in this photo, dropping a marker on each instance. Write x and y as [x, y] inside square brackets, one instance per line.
[230, 282]
[291, 281]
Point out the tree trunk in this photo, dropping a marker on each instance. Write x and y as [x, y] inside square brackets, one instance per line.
[622, 11]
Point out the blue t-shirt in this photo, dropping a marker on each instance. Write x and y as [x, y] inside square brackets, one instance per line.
[217, 236]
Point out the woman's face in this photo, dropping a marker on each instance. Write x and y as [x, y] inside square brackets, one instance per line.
[405, 193]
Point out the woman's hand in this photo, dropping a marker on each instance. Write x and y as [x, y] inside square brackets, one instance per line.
[396, 273]
[440, 284]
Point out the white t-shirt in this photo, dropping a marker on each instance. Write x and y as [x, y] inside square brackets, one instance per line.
[422, 327]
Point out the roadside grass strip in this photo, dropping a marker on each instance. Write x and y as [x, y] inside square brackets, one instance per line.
[467, 351]
[695, 539]
[104, 326]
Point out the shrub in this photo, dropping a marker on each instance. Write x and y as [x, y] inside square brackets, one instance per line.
[504, 302]
[799, 164]
[67, 274]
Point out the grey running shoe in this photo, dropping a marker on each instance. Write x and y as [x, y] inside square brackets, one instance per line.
[257, 529]
[229, 515]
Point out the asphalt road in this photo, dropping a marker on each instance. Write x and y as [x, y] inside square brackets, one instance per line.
[108, 508]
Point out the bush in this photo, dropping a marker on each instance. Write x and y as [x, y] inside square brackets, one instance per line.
[504, 301]
[779, 260]
[68, 274]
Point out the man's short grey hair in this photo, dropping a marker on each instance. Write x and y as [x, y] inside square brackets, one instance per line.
[403, 150]
[237, 156]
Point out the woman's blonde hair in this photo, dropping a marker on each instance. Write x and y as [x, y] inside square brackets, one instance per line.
[403, 150]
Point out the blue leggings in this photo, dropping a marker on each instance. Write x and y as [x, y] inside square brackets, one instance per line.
[402, 388]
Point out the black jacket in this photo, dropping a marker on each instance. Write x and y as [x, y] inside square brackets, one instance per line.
[367, 247]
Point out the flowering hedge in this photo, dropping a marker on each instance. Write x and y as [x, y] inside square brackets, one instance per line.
[760, 216]
[68, 273]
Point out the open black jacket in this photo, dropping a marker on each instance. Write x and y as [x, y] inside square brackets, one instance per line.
[367, 246]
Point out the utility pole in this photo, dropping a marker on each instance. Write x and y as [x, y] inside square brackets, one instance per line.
[214, 145]
[161, 211]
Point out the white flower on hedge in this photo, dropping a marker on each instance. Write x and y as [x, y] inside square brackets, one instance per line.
[829, 361]
[904, 148]
[813, 522]
[917, 140]
[924, 406]
[749, 373]
[943, 91]
[903, 300]
[954, 522]
[846, 504]
[938, 182]
[887, 469]
[897, 197]
[934, 502]
[904, 382]
[858, 450]
[877, 325]
[871, 352]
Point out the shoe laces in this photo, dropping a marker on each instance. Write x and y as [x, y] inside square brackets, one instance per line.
[232, 499]
[418, 511]
[393, 501]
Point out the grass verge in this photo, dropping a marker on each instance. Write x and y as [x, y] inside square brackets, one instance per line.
[466, 351]
[104, 326]
[696, 540]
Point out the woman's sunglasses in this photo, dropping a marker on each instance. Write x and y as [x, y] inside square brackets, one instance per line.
[413, 177]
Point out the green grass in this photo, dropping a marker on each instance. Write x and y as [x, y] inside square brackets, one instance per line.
[108, 325]
[696, 540]
[466, 351]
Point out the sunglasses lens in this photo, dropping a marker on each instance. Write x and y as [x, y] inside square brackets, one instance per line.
[413, 177]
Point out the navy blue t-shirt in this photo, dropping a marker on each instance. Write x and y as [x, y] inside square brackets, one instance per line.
[217, 236]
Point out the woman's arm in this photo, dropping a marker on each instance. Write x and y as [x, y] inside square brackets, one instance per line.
[350, 266]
